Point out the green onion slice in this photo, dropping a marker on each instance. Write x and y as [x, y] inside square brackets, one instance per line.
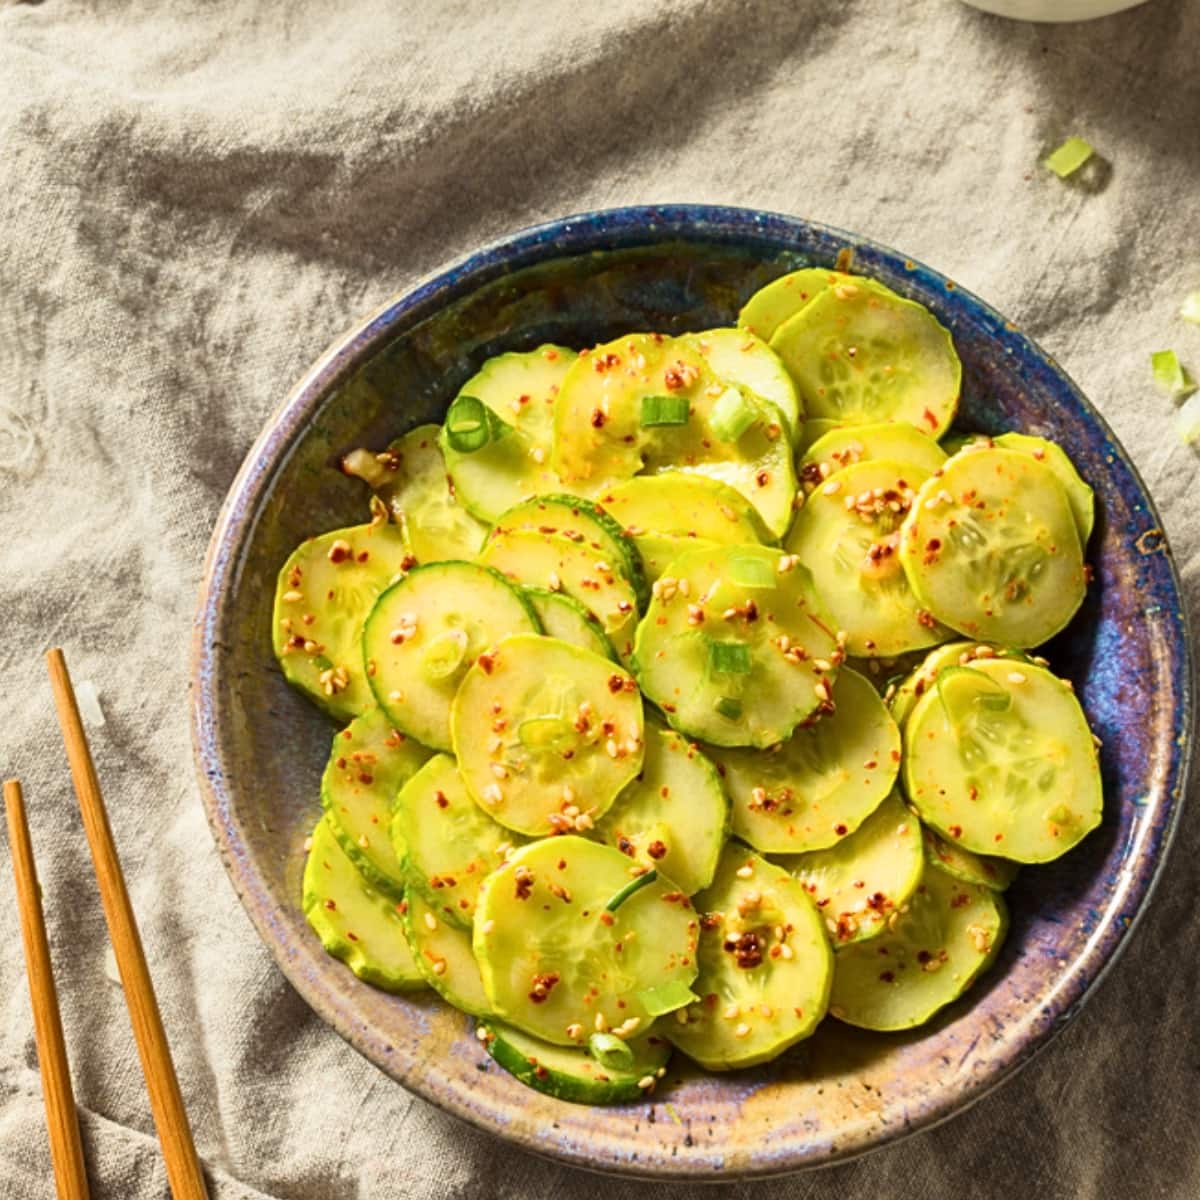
[667, 997]
[1069, 157]
[749, 571]
[664, 410]
[1170, 374]
[728, 658]
[470, 425]
[634, 885]
[729, 707]
[732, 415]
[610, 1051]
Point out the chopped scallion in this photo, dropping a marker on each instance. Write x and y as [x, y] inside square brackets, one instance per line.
[664, 410]
[1170, 374]
[634, 885]
[732, 415]
[610, 1051]
[470, 425]
[1069, 157]
[667, 997]
[728, 658]
[729, 707]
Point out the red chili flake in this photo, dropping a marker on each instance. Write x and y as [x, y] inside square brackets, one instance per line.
[747, 951]
[543, 985]
[487, 662]
[840, 830]
[877, 901]
[352, 936]
[341, 764]
[887, 976]
[923, 956]
[762, 478]
[615, 683]
[960, 900]
[710, 921]
[656, 850]
[331, 905]
[524, 886]
[955, 831]
[598, 419]
[364, 555]
[364, 777]
[606, 918]
[926, 618]
[625, 846]
[751, 611]
[440, 797]
[337, 554]
[1089, 572]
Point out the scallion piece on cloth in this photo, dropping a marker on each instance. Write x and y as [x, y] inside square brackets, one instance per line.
[1170, 374]
[664, 410]
[1069, 157]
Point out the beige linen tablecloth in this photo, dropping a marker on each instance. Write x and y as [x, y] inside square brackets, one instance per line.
[196, 198]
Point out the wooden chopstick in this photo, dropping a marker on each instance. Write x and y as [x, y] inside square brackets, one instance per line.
[166, 1102]
[62, 1124]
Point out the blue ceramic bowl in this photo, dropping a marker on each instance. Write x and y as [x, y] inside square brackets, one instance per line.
[260, 748]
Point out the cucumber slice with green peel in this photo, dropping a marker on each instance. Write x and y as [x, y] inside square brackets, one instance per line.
[369, 763]
[553, 561]
[446, 842]
[322, 597]
[983, 870]
[425, 632]
[498, 430]
[566, 947]
[1080, 497]
[669, 513]
[784, 297]
[999, 758]
[546, 734]
[573, 1074]
[867, 876]
[675, 815]
[820, 785]
[926, 958]
[354, 922]
[765, 967]
[860, 353]
[848, 535]
[894, 441]
[953, 442]
[585, 523]
[565, 618]
[443, 954]
[990, 548]
[740, 357]
[410, 478]
[952, 654]
[735, 648]
[650, 403]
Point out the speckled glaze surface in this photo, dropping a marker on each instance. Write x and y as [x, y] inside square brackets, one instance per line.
[260, 747]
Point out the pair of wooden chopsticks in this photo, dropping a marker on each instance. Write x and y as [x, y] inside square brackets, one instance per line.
[166, 1102]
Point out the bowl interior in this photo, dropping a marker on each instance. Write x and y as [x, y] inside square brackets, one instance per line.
[261, 747]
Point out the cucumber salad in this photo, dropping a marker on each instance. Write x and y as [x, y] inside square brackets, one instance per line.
[688, 694]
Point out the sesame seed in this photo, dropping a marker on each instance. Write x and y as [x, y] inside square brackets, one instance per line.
[646, 1082]
[499, 770]
[292, 597]
[538, 455]
[430, 922]
[766, 1010]
[745, 872]
[481, 1034]
[1015, 677]
[492, 794]
[743, 1030]
[832, 488]
[787, 563]
[362, 841]
[601, 1023]
[439, 966]
[307, 844]
[629, 1027]
[785, 951]
[575, 1030]
[487, 926]
[610, 748]
[732, 1013]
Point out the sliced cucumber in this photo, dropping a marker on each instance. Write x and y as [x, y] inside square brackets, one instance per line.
[999, 758]
[369, 763]
[566, 946]
[735, 648]
[567, 619]
[583, 522]
[740, 357]
[848, 534]
[784, 297]
[675, 815]
[981, 869]
[522, 388]
[355, 923]
[812, 431]
[669, 513]
[823, 782]
[929, 955]
[990, 548]
[410, 478]
[322, 597]
[894, 441]
[859, 353]
[447, 843]
[426, 631]
[546, 734]
[553, 561]
[442, 952]
[1080, 497]
[574, 1075]
[858, 883]
[765, 967]
[952, 654]
[650, 403]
